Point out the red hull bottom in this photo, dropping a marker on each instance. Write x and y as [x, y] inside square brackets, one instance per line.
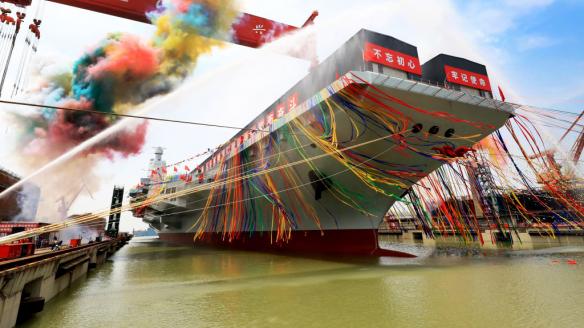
[361, 242]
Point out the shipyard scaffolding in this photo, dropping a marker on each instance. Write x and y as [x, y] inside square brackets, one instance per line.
[113, 224]
[19, 41]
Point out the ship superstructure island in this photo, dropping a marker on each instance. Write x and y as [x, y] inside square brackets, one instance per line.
[318, 170]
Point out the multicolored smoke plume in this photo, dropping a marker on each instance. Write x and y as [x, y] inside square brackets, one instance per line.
[122, 71]
[117, 74]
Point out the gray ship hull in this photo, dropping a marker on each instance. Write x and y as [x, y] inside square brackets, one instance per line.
[339, 197]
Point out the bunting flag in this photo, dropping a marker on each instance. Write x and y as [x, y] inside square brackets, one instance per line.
[475, 186]
[501, 93]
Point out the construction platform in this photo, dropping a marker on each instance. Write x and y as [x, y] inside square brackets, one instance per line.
[27, 283]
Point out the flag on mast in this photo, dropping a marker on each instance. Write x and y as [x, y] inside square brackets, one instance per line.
[501, 93]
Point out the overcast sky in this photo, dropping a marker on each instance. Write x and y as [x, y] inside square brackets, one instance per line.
[532, 48]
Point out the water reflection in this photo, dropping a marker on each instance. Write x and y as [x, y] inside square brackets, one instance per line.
[149, 284]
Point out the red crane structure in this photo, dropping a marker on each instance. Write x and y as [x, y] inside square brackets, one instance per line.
[553, 173]
[248, 30]
[578, 146]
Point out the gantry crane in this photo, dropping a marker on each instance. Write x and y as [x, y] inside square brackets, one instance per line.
[248, 30]
[554, 174]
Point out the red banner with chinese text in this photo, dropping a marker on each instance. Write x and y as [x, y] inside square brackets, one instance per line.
[467, 78]
[391, 58]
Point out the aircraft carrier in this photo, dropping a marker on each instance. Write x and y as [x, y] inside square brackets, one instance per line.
[316, 172]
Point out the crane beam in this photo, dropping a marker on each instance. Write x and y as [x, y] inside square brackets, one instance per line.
[248, 30]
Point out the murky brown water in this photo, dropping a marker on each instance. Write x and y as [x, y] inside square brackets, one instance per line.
[149, 284]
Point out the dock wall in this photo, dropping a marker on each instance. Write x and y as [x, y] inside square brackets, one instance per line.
[27, 283]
